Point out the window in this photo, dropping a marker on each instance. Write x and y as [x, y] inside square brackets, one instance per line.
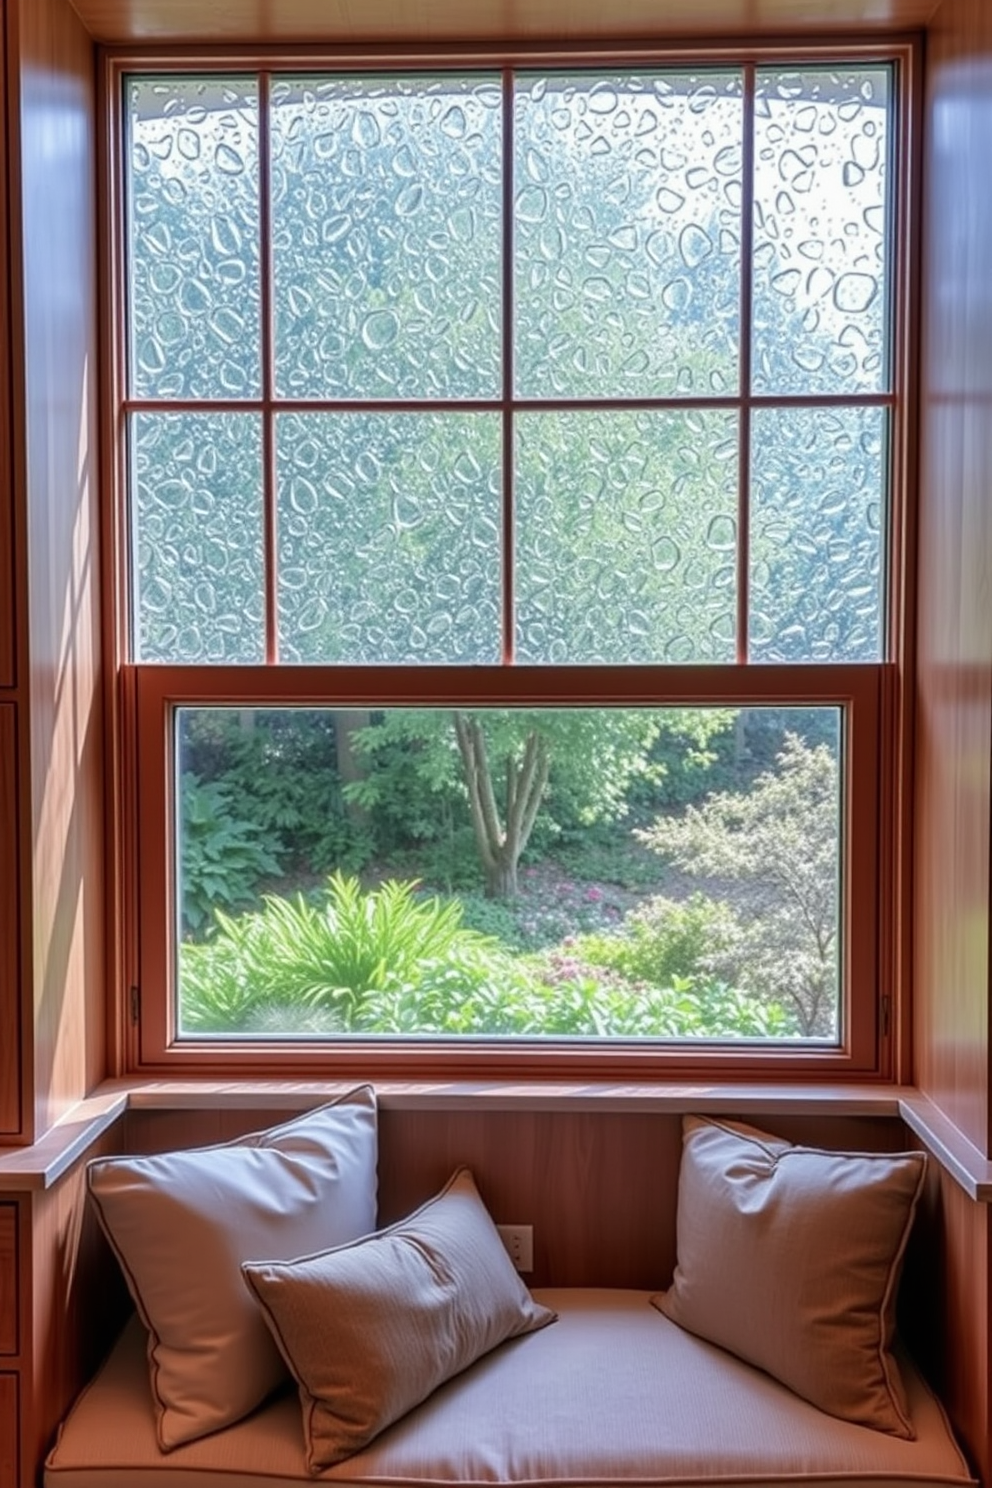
[510, 465]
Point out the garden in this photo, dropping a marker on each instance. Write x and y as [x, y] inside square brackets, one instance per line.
[610, 873]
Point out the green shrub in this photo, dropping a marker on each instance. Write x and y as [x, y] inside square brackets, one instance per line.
[386, 962]
[577, 997]
[223, 856]
[339, 957]
[663, 940]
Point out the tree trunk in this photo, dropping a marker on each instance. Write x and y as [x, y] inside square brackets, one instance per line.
[351, 766]
[500, 846]
[501, 881]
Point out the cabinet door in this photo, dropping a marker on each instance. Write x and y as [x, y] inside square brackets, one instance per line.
[8, 1431]
[8, 1278]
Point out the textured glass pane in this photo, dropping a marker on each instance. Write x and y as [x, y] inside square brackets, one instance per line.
[387, 239]
[389, 537]
[626, 537]
[193, 266]
[697, 900]
[817, 519]
[627, 235]
[820, 250]
[196, 504]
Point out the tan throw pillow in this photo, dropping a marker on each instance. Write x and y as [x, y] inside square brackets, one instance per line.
[370, 1329]
[181, 1224]
[790, 1258]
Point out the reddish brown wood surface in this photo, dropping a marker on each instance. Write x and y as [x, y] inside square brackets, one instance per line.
[78, 1304]
[10, 1023]
[56, 471]
[431, 20]
[954, 703]
[8, 1279]
[8, 1431]
[598, 1189]
[8, 668]
[945, 1309]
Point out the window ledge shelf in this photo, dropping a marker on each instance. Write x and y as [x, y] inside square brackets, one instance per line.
[40, 1166]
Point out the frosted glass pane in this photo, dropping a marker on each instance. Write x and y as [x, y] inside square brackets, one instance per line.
[387, 239]
[817, 518]
[626, 537]
[389, 537]
[820, 245]
[193, 227]
[199, 567]
[627, 235]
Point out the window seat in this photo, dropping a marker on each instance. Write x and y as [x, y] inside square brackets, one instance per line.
[611, 1393]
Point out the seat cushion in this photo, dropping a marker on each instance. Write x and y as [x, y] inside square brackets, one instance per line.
[613, 1393]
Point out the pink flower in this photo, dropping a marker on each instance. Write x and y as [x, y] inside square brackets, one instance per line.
[594, 895]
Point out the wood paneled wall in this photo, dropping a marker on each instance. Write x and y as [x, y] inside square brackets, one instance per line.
[953, 787]
[954, 734]
[10, 1021]
[56, 493]
[599, 1189]
[8, 670]
[77, 1305]
[491, 20]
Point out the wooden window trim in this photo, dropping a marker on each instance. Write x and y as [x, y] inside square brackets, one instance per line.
[856, 689]
[876, 698]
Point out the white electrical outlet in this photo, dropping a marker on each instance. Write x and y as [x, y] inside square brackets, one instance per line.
[519, 1242]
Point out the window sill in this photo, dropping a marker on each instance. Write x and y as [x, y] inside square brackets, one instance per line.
[41, 1166]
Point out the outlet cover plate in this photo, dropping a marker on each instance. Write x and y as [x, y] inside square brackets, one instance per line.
[519, 1242]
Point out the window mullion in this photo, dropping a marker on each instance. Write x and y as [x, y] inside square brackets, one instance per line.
[268, 369]
[747, 307]
[509, 524]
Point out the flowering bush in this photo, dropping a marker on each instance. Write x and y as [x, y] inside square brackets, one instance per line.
[662, 939]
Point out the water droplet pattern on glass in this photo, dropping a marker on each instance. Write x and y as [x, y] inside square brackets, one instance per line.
[196, 503]
[626, 536]
[627, 235]
[389, 537]
[193, 238]
[386, 203]
[817, 504]
[821, 203]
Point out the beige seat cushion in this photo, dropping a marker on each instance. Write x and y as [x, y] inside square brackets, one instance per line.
[370, 1329]
[181, 1224]
[612, 1393]
[790, 1257]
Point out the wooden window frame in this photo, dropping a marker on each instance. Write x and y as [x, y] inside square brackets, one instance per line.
[875, 699]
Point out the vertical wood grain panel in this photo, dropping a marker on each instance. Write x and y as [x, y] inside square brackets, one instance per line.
[954, 706]
[8, 672]
[8, 1279]
[51, 77]
[78, 1303]
[599, 1188]
[10, 1021]
[8, 1431]
[945, 1310]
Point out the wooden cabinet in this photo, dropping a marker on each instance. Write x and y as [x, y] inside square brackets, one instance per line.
[8, 1279]
[8, 1431]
